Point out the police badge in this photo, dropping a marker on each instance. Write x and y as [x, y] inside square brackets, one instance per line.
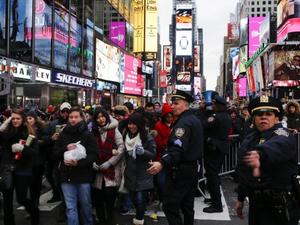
[179, 132]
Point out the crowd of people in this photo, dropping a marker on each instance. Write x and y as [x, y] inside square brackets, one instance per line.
[97, 158]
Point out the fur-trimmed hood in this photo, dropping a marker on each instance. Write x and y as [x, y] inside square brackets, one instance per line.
[295, 103]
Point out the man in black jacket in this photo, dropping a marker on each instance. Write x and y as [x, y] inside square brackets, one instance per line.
[216, 127]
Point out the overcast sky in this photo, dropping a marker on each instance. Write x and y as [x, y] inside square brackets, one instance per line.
[212, 16]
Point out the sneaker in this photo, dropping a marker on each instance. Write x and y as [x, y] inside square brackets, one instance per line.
[154, 217]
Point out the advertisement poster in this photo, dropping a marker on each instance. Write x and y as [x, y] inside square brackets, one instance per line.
[243, 87]
[133, 82]
[168, 58]
[235, 57]
[244, 31]
[197, 59]
[254, 26]
[126, 9]
[163, 79]
[108, 60]
[184, 17]
[287, 9]
[117, 33]
[151, 26]
[138, 25]
[183, 77]
[243, 59]
[287, 65]
[184, 43]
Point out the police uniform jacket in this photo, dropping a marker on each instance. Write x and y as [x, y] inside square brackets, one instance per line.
[217, 127]
[185, 144]
[278, 159]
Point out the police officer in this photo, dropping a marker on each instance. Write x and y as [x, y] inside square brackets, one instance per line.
[184, 148]
[267, 161]
[216, 145]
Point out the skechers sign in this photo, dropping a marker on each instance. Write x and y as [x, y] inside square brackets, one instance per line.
[72, 80]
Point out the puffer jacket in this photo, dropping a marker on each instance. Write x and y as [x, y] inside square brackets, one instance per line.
[83, 172]
[116, 160]
[10, 137]
[136, 176]
[293, 119]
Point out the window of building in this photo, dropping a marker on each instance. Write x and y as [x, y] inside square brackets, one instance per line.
[264, 9]
[253, 15]
[252, 3]
[264, 15]
[257, 3]
[264, 2]
[61, 39]
[269, 9]
[88, 38]
[2, 27]
[75, 48]
[43, 32]
[275, 9]
[258, 14]
[270, 2]
[76, 8]
[275, 1]
[258, 9]
[100, 19]
[21, 29]
[252, 9]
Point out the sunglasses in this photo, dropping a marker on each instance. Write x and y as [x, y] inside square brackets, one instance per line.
[267, 113]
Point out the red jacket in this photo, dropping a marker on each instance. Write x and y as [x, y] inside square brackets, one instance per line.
[163, 133]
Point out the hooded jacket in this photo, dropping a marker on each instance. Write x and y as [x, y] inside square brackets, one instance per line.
[293, 119]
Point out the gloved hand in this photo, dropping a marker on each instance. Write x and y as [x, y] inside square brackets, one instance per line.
[5, 124]
[17, 147]
[105, 166]
[139, 149]
[96, 166]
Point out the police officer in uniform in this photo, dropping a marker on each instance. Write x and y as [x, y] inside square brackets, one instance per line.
[216, 145]
[184, 148]
[267, 161]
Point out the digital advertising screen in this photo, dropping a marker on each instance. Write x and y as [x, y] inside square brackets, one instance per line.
[254, 40]
[184, 42]
[117, 33]
[184, 17]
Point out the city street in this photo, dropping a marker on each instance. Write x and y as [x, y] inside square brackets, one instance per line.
[225, 218]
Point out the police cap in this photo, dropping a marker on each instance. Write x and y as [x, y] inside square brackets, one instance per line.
[178, 94]
[218, 99]
[265, 103]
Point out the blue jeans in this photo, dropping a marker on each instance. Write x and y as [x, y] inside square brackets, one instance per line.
[139, 201]
[74, 193]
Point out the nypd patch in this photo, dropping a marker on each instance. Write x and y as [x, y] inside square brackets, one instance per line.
[281, 132]
[179, 132]
[210, 119]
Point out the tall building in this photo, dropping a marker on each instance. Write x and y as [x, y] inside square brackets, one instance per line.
[257, 8]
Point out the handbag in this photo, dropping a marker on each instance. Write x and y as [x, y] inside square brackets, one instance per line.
[6, 177]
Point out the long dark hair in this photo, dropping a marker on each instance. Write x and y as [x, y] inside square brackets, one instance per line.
[95, 125]
[138, 120]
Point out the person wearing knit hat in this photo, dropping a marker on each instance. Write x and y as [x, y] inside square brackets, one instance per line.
[32, 114]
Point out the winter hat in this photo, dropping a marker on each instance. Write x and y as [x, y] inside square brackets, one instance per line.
[32, 113]
[121, 110]
[166, 108]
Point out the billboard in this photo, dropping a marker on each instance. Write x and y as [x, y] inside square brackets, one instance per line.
[147, 67]
[243, 31]
[151, 26]
[268, 30]
[235, 57]
[108, 59]
[287, 65]
[243, 87]
[138, 25]
[117, 33]
[183, 78]
[253, 41]
[167, 58]
[184, 42]
[197, 59]
[243, 58]
[162, 78]
[290, 26]
[287, 9]
[133, 82]
[184, 16]
[126, 9]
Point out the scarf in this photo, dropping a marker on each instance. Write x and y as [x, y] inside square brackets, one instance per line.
[131, 143]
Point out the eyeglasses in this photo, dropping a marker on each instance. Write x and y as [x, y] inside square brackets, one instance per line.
[261, 113]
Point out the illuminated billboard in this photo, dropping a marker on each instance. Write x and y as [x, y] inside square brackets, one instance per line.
[235, 57]
[243, 59]
[184, 42]
[287, 9]
[243, 87]
[167, 58]
[197, 59]
[138, 25]
[117, 33]
[244, 31]
[151, 26]
[253, 42]
[107, 62]
[132, 82]
[184, 16]
[290, 26]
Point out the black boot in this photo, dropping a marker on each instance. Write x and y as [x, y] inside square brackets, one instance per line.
[213, 209]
